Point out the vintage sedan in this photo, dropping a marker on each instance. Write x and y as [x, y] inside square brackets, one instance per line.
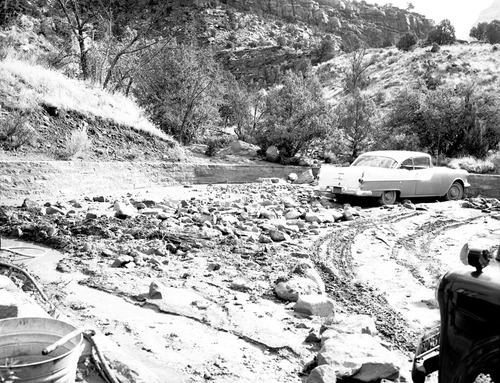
[392, 174]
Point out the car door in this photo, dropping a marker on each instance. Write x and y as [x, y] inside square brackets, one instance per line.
[425, 174]
[408, 179]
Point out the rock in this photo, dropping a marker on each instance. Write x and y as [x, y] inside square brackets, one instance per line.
[296, 286]
[359, 356]
[312, 338]
[99, 199]
[29, 204]
[272, 154]
[124, 211]
[265, 239]
[337, 214]
[312, 217]
[54, 210]
[210, 233]
[305, 178]
[155, 290]
[409, 205]
[122, 260]
[292, 177]
[347, 215]
[92, 215]
[306, 269]
[277, 236]
[315, 304]
[348, 324]
[140, 205]
[322, 374]
[16, 232]
[151, 211]
[293, 214]
[267, 214]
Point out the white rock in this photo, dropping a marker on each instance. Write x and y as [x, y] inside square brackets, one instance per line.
[315, 304]
[359, 356]
[322, 374]
[293, 288]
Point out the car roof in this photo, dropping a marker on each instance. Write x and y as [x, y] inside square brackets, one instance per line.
[398, 155]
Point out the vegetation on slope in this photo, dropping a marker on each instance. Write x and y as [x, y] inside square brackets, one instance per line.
[436, 99]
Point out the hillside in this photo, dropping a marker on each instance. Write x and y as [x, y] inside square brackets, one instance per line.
[393, 70]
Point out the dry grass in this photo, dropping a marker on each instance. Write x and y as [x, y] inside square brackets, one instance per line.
[474, 165]
[77, 144]
[25, 86]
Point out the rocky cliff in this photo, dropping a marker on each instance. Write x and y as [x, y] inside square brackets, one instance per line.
[258, 39]
[489, 14]
[377, 26]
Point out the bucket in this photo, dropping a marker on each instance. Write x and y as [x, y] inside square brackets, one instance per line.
[21, 343]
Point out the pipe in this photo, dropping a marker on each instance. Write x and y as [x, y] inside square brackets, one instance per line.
[65, 338]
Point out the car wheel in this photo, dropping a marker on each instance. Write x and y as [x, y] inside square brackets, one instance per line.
[388, 197]
[455, 192]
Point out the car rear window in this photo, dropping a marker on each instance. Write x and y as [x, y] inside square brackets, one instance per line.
[374, 161]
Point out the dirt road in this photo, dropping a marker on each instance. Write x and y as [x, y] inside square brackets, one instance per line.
[218, 319]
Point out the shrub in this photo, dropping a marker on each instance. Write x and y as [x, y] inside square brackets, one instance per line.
[76, 144]
[442, 34]
[293, 116]
[406, 42]
[16, 131]
[215, 144]
[494, 158]
[472, 165]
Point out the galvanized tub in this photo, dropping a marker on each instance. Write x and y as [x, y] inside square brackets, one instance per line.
[21, 343]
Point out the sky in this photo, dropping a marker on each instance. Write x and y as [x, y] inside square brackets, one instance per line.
[461, 13]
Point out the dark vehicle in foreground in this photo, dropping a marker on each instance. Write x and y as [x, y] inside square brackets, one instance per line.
[466, 346]
[391, 174]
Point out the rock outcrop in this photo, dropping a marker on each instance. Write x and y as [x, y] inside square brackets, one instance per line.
[489, 14]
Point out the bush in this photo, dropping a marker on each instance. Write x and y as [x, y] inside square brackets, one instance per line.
[214, 145]
[293, 116]
[472, 165]
[16, 131]
[442, 34]
[76, 144]
[406, 42]
[494, 158]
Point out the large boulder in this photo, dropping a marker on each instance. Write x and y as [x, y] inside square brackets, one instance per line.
[358, 356]
[315, 304]
[305, 177]
[322, 374]
[292, 289]
[272, 154]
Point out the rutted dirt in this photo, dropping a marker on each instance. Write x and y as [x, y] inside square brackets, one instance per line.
[219, 319]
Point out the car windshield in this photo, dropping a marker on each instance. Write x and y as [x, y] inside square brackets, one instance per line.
[375, 161]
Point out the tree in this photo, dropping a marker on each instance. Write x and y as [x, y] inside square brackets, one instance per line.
[110, 31]
[355, 76]
[410, 7]
[354, 119]
[407, 41]
[295, 114]
[236, 109]
[493, 32]
[442, 34]
[182, 90]
[325, 50]
[450, 120]
[479, 31]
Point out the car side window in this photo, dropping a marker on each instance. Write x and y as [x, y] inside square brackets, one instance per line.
[407, 164]
[422, 162]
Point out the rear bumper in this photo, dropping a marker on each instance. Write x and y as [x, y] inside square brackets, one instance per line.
[353, 192]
